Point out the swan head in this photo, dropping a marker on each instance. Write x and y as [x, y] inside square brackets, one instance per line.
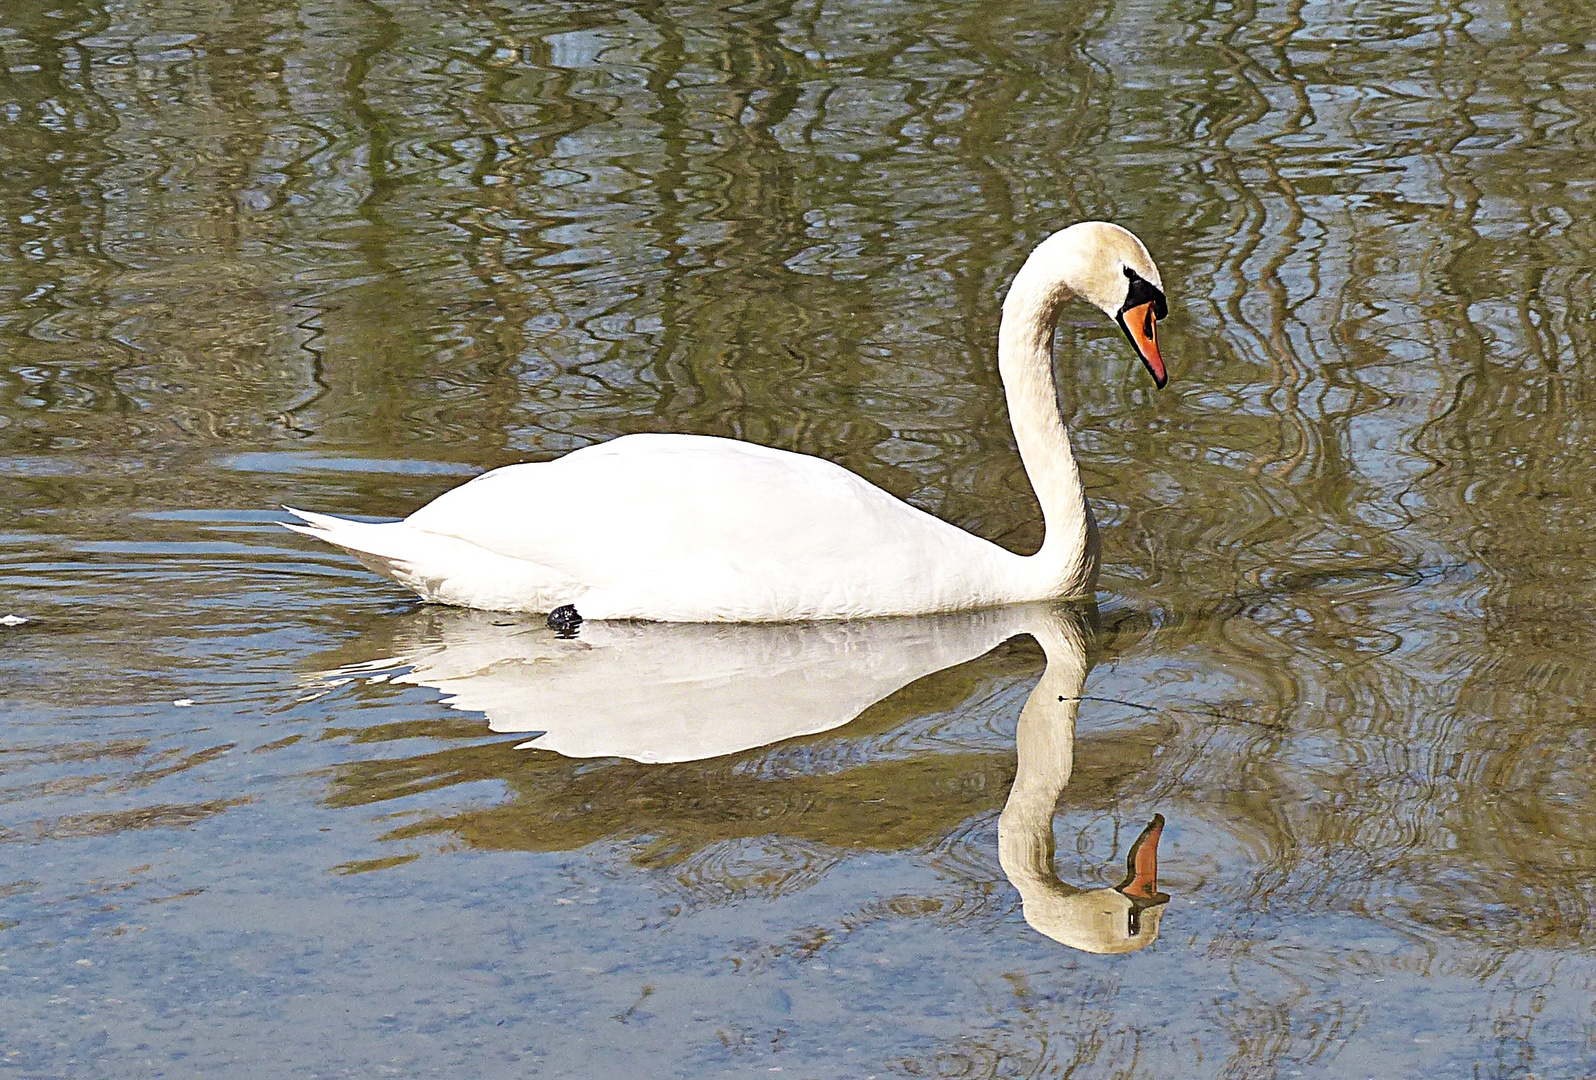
[1109, 268]
[1121, 919]
[1101, 921]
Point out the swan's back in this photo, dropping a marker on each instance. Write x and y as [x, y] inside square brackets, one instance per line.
[708, 529]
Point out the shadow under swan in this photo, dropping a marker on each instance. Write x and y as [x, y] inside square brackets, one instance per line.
[661, 692]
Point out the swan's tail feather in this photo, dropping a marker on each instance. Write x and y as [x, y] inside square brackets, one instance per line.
[390, 541]
[443, 569]
[325, 522]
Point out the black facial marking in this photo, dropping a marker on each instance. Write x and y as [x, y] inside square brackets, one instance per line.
[1142, 292]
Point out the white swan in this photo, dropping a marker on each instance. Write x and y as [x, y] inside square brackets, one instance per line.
[689, 528]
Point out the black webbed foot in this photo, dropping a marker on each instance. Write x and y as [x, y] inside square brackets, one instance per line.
[564, 620]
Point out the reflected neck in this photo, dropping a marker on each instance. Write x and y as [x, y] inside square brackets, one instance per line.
[1066, 564]
[1045, 746]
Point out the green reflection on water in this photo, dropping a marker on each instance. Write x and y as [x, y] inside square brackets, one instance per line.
[1348, 549]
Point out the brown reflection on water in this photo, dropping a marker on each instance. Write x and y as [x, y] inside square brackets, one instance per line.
[160, 816]
[561, 804]
[137, 767]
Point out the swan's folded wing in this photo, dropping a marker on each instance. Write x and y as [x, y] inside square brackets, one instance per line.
[715, 517]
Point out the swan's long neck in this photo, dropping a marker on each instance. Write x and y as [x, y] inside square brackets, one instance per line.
[1045, 745]
[1067, 563]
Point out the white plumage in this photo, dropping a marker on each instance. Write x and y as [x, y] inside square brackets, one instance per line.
[687, 528]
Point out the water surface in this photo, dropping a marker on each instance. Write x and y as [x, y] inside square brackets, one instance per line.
[345, 254]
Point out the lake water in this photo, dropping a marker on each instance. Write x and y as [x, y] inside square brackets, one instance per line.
[343, 254]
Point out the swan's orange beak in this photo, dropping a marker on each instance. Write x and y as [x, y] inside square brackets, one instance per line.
[1141, 326]
[1141, 866]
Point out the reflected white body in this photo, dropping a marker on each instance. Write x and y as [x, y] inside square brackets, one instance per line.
[688, 528]
[659, 693]
[669, 693]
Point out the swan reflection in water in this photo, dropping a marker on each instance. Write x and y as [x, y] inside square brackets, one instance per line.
[658, 693]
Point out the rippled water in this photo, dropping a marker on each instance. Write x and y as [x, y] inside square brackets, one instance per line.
[345, 254]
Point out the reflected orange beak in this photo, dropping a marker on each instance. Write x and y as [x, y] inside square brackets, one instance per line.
[1141, 326]
[1141, 866]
